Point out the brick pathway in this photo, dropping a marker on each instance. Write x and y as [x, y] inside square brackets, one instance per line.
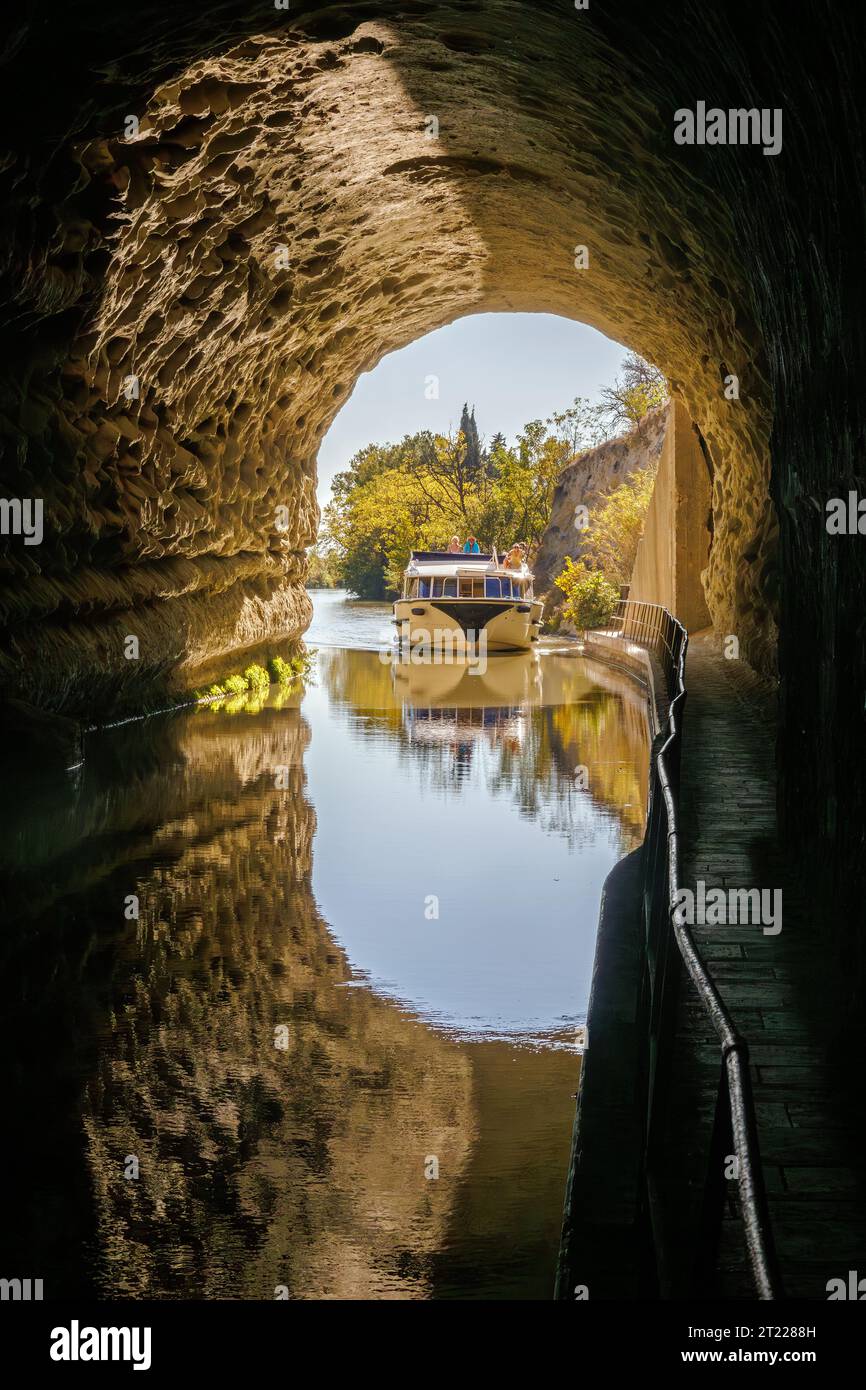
[812, 1141]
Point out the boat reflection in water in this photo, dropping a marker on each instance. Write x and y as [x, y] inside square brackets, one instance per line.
[327, 1088]
[453, 707]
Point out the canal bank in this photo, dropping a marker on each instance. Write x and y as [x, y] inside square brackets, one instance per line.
[783, 991]
[804, 1072]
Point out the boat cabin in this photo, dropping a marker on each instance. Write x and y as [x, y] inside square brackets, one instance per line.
[440, 574]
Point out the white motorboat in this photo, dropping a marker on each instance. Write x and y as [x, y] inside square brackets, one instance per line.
[454, 601]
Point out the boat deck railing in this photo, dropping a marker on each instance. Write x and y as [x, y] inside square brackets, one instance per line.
[668, 943]
[451, 556]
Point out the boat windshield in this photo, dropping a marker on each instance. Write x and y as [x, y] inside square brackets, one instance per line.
[474, 586]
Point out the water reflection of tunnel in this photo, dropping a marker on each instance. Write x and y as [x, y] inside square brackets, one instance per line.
[286, 216]
[155, 1036]
[171, 1018]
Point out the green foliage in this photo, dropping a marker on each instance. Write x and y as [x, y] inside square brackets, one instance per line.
[641, 388]
[249, 692]
[287, 672]
[378, 512]
[206, 697]
[304, 664]
[590, 599]
[323, 567]
[257, 679]
[579, 427]
[616, 526]
[517, 503]
[469, 430]
[281, 671]
[554, 622]
[418, 493]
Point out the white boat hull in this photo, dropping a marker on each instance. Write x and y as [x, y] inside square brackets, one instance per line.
[500, 625]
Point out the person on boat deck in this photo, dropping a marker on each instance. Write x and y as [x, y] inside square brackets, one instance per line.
[454, 546]
[514, 558]
[472, 546]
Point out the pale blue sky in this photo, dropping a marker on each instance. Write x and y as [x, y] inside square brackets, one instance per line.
[512, 367]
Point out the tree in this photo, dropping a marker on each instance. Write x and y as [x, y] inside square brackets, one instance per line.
[474, 462]
[516, 502]
[377, 512]
[578, 427]
[497, 446]
[641, 388]
[439, 467]
[323, 566]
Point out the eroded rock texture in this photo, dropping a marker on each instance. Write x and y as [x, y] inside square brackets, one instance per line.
[310, 130]
[289, 208]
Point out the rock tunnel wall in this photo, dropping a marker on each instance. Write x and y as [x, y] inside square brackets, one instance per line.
[199, 305]
[307, 136]
[672, 552]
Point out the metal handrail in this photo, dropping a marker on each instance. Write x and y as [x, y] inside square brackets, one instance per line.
[652, 626]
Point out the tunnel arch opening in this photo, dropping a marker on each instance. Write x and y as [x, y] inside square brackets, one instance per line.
[555, 129]
[546, 445]
[294, 207]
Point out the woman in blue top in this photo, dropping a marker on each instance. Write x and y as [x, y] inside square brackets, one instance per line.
[472, 546]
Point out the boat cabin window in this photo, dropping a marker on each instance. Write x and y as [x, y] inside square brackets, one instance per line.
[472, 587]
[444, 588]
[431, 588]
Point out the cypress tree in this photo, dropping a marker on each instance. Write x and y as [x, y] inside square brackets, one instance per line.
[469, 429]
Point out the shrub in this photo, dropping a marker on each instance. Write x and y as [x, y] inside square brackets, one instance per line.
[287, 672]
[304, 662]
[590, 599]
[281, 671]
[235, 685]
[215, 692]
[257, 679]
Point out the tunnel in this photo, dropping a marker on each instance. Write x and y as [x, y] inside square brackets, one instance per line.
[217, 218]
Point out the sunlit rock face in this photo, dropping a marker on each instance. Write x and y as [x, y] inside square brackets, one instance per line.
[311, 189]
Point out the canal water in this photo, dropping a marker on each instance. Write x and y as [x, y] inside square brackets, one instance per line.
[335, 1052]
